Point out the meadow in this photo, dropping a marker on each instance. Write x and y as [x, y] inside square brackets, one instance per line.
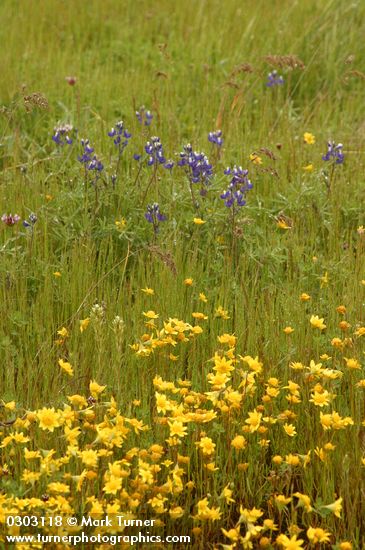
[182, 271]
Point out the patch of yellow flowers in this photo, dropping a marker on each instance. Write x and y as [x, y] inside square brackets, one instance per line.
[191, 469]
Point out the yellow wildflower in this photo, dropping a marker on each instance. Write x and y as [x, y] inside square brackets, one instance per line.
[290, 430]
[316, 322]
[255, 159]
[335, 507]
[120, 224]
[48, 419]
[148, 291]
[238, 442]
[84, 323]
[309, 138]
[67, 367]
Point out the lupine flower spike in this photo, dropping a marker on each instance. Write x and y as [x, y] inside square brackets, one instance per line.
[198, 169]
[154, 216]
[334, 153]
[62, 134]
[144, 116]
[216, 138]
[239, 185]
[274, 79]
[121, 137]
[30, 222]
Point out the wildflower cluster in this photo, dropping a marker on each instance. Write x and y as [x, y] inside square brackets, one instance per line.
[334, 153]
[120, 135]
[90, 161]
[154, 216]
[198, 167]
[274, 79]
[62, 134]
[9, 219]
[144, 116]
[238, 187]
[216, 138]
[155, 151]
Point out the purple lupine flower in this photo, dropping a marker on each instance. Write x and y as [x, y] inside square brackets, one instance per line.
[154, 151]
[121, 136]
[32, 218]
[198, 166]
[238, 186]
[216, 137]
[91, 162]
[9, 219]
[334, 152]
[144, 116]
[154, 216]
[137, 156]
[169, 164]
[273, 79]
[62, 134]
[95, 164]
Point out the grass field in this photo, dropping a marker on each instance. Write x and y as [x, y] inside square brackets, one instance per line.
[200, 362]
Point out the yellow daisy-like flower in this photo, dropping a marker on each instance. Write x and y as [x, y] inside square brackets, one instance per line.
[304, 297]
[282, 500]
[95, 388]
[308, 168]
[63, 332]
[222, 313]
[304, 500]
[48, 419]
[207, 446]
[309, 138]
[352, 363]
[316, 322]
[84, 323]
[148, 291]
[198, 221]
[238, 442]
[67, 367]
[150, 314]
[77, 400]
[113, 485]
[290, 430]
[335, 507]
[57, 274]
[177, 429]
[120, 224]
[255, 159]
[321, 399]
[317, 535]
[288, 330]
[188, 281]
